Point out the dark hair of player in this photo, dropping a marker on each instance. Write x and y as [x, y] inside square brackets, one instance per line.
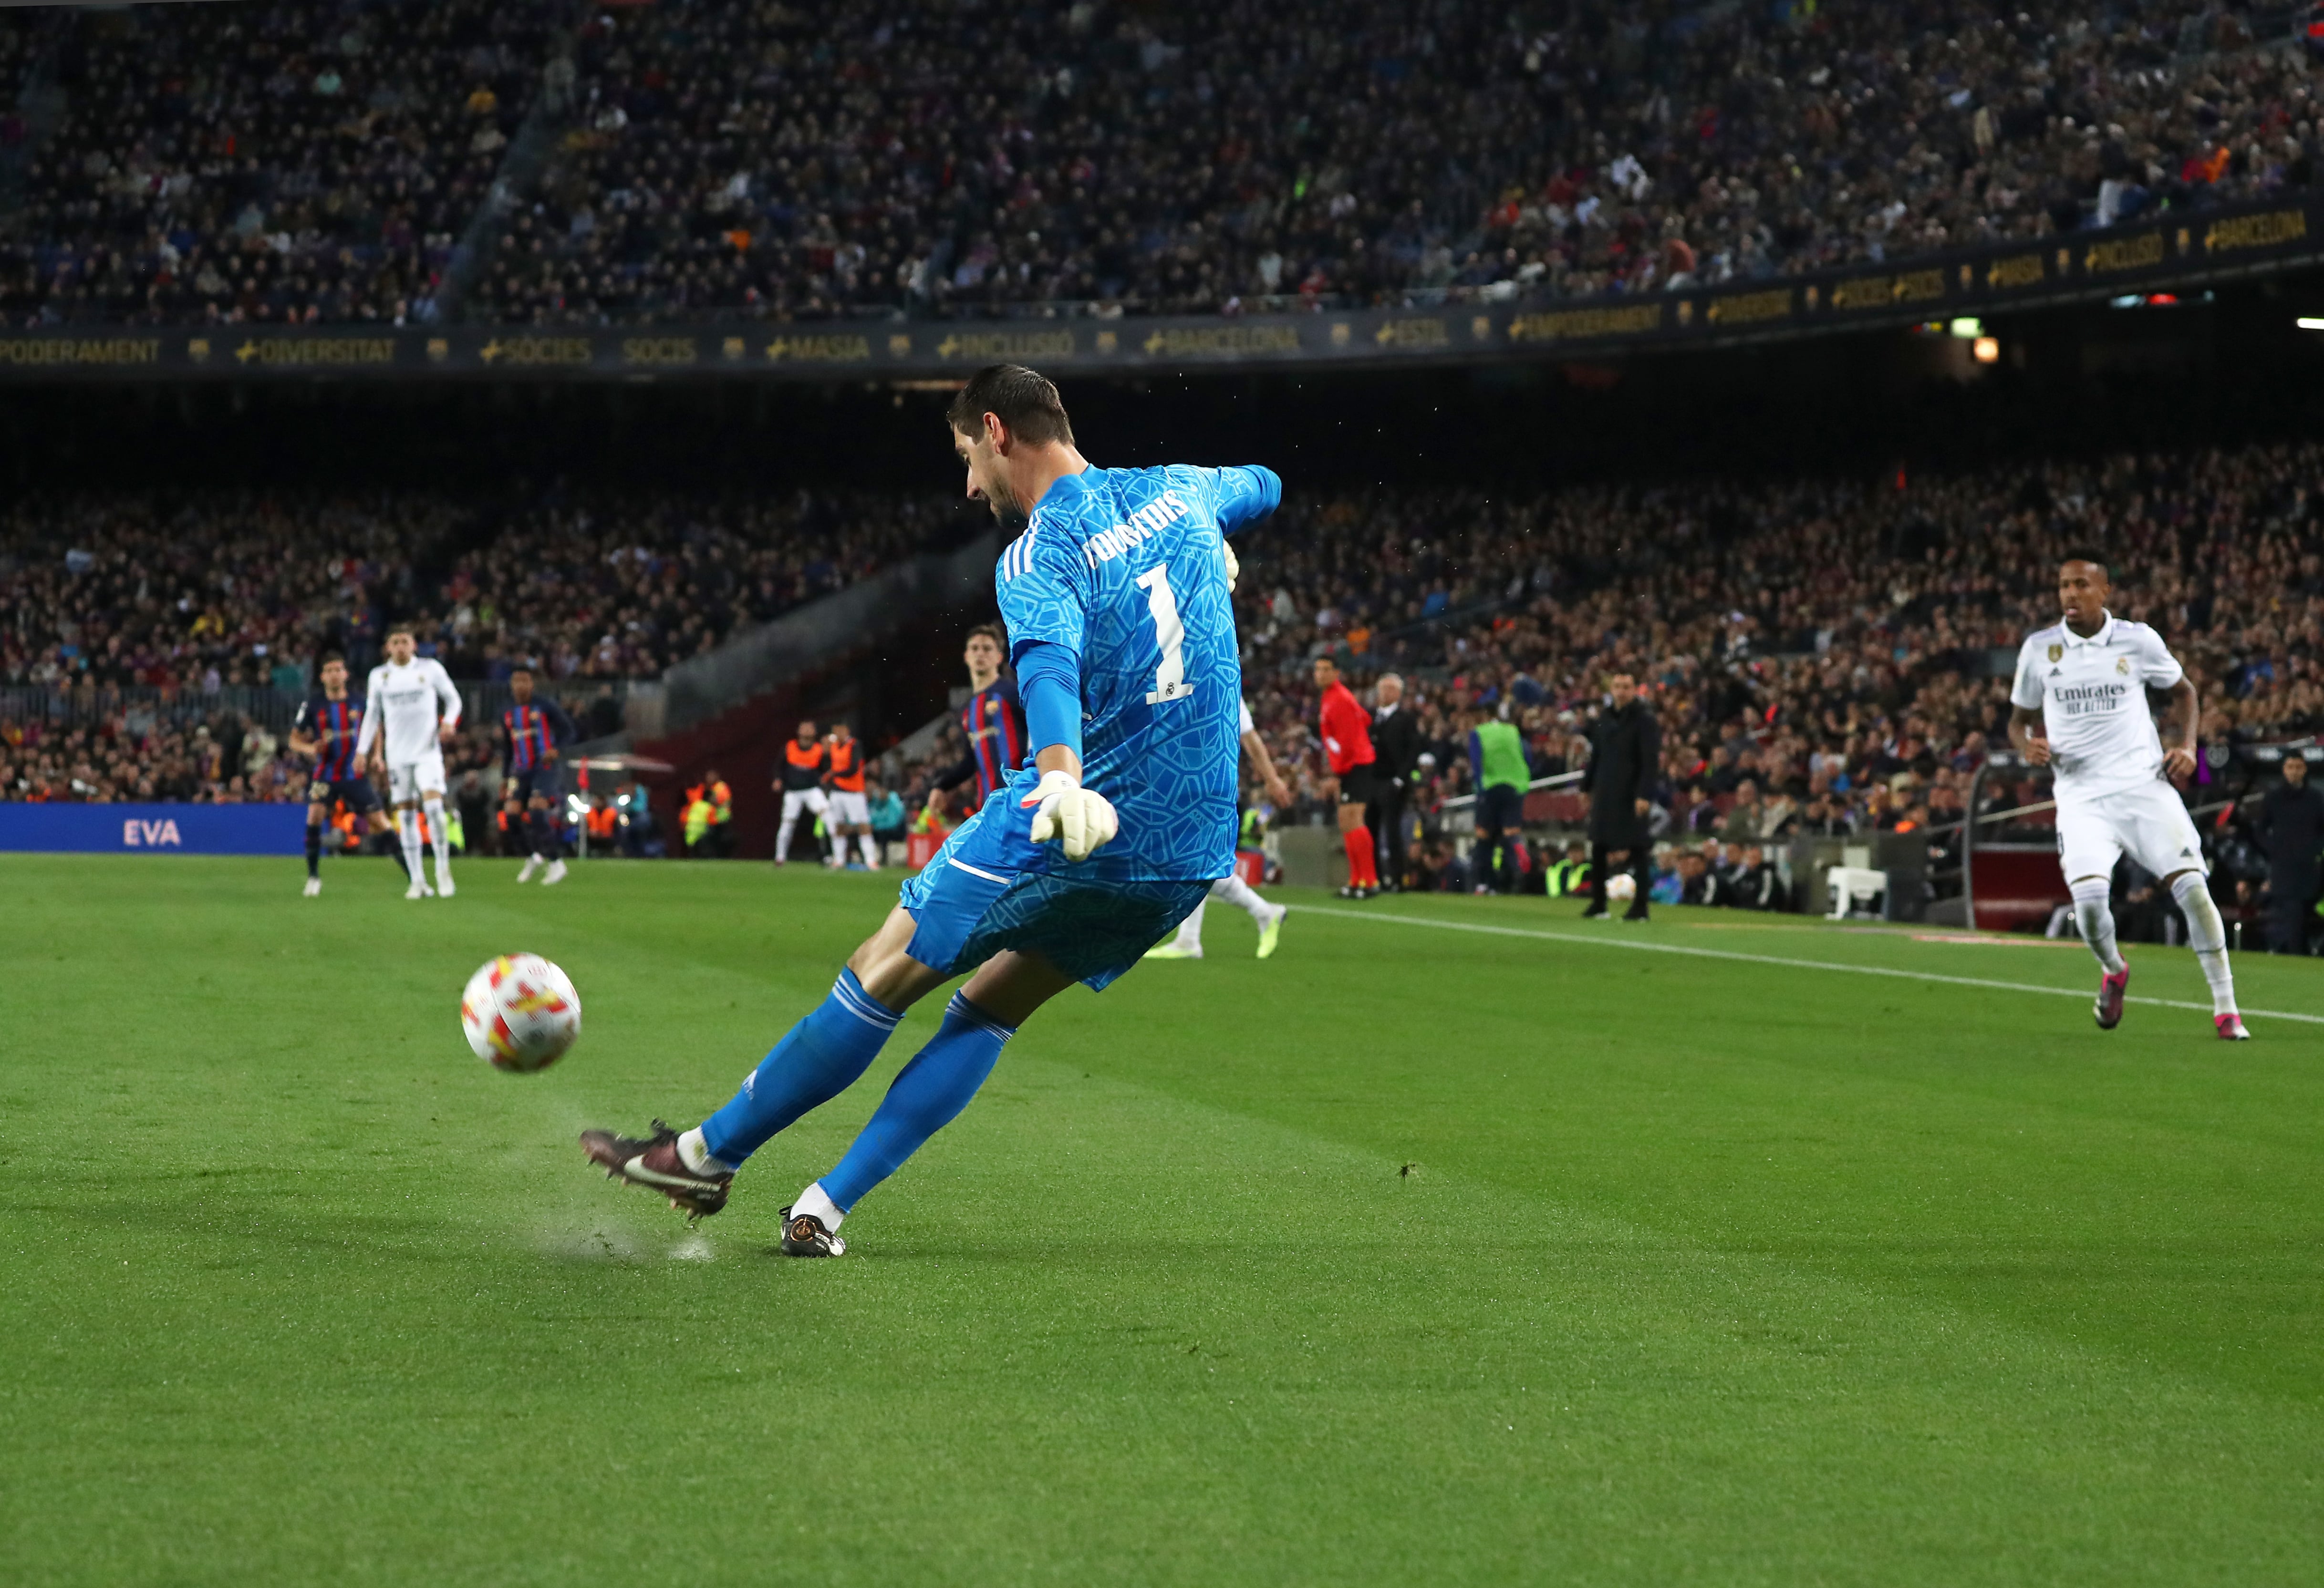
[991, 631]
[2083, 553]
[524, 667]
[1027, 402]
[329, 657]
[395, 628]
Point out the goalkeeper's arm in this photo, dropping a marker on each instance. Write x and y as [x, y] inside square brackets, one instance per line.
[1048, 681]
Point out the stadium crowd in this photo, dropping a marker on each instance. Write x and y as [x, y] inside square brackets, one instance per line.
[628, 585]
[939, 157]
[1824, 658]
[271, 162]
[792, 162]
[1823, 655]
[198, 590]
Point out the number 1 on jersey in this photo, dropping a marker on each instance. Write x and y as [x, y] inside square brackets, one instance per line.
[1169, 633]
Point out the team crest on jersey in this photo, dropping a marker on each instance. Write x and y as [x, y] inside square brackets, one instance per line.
[2122, 666]
[2056, 653]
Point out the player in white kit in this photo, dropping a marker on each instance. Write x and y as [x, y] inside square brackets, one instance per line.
[414, 710]
[2084, 680]
[1232, 888]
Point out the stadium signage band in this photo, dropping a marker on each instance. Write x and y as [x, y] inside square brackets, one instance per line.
[153, 829]
[2178, 248]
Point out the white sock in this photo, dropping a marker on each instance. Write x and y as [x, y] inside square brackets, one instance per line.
[871, 847]
[2095, 916]
[694, 1152]
[1190, 930]
[2207, 934]
[813, 1200]
[440, 839]
[407, 829]
[783, 838]
[1244, 898]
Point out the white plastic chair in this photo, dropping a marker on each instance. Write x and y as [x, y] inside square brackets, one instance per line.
[1848, 883]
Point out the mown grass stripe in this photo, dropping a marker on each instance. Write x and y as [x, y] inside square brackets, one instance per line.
[1593, 940]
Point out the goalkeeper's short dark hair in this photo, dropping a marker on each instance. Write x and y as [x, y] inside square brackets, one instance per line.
[1025, 399]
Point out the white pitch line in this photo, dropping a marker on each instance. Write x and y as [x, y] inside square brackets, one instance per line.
[1593, 940]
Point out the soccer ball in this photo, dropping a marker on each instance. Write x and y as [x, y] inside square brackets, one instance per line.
[1620, 887]
[520, 1013]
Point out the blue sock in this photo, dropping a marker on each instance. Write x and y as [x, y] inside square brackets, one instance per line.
[820, 1058]
[929, 1092]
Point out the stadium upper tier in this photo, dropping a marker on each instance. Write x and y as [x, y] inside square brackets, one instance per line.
[265, 163]
[1822, 637]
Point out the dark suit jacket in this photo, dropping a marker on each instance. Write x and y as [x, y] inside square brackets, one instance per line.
[1625, 748]
[1395, 745]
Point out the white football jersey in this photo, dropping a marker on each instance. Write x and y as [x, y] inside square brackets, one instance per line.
[1247, 725]
[404, 705]
[2092, 693]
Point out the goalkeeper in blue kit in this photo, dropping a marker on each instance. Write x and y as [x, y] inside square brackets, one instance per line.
[1116, 597]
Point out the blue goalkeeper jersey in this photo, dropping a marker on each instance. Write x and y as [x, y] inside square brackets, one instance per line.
[1124, 569]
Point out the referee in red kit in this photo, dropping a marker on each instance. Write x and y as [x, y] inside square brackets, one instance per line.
[1348, 743]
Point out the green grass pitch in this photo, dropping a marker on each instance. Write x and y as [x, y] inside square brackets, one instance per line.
[1411, 1255]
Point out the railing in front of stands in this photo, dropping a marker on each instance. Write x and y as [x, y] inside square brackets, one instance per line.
[635, 705]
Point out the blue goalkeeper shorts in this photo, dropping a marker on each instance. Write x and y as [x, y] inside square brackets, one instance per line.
[977, 898]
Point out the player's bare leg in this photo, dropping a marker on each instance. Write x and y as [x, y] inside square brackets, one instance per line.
[2094, 916]
[2207, 934]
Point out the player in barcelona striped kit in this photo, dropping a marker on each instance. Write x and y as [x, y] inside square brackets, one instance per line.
[991, 722]
[533, 785]
[1116, 598]
[326, 731]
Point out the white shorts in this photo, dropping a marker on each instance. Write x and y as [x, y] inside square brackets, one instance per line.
[796, 800]
[416, 780]
[2149, 822]
[850, 809]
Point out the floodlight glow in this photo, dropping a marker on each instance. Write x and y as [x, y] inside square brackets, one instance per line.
[1986, 349]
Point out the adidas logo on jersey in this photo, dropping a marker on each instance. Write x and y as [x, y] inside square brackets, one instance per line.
[1151, 519]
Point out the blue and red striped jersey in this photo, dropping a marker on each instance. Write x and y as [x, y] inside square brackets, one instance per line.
[532, 730]
[995, 721]
[333, 724]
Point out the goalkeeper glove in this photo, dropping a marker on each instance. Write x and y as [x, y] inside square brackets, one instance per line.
[1234, 565]
[1081, 819]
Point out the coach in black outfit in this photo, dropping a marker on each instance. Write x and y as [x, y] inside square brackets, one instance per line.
[1626, 746]
[2292, 827]
[1396, 751]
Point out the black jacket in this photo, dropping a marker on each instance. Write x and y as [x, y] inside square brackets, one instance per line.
[2292, 828]
[1396, 744]
[1626, 751]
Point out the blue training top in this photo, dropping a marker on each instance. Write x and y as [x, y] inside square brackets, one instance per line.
[1123, 569]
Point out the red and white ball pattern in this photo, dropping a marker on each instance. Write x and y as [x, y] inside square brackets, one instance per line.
[520, 1013]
